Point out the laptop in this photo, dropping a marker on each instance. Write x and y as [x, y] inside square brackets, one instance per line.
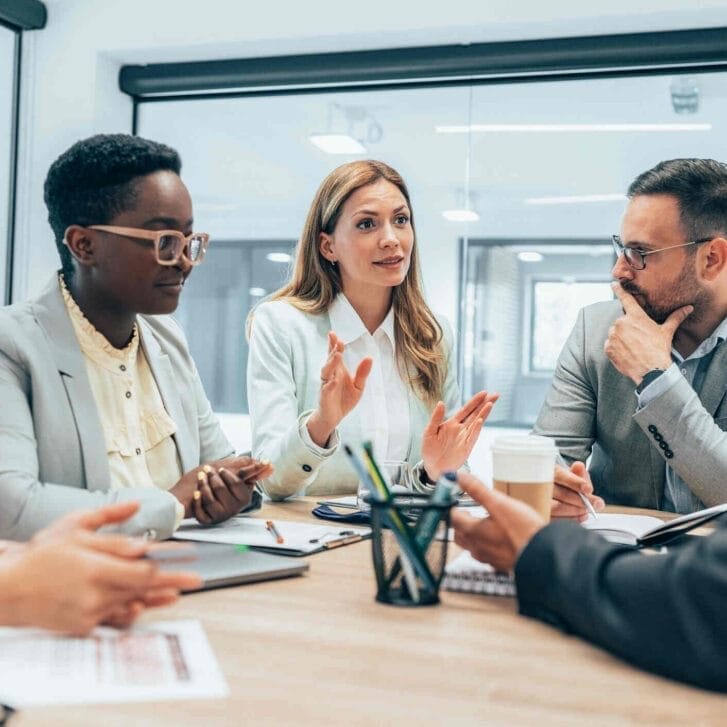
[228, 565]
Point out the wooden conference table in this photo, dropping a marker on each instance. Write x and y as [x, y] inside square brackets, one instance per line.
[318, 650]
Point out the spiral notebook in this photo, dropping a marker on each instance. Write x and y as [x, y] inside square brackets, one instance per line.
[466, 574]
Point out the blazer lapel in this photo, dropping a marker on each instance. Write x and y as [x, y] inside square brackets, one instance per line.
[52, 316]
[715, 382]
[161, 369]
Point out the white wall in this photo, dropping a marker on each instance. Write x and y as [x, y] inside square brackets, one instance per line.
[70, 68]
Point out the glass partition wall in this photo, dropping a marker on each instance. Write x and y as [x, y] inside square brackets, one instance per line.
[516, 189]
[8, 40]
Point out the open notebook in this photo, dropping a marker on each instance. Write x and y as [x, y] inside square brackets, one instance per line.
[645, 531]
[465, 573]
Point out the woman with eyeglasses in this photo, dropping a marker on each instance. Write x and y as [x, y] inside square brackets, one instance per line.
[348, 350]
[101, 401]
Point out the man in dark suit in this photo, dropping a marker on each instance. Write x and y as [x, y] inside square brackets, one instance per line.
[664, 613]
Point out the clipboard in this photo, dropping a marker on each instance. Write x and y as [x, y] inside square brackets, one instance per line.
[298, 538]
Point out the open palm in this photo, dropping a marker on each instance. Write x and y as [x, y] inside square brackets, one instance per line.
[340, 391]
[446, 444]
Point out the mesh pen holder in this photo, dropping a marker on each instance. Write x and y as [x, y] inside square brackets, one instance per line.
[409, 569]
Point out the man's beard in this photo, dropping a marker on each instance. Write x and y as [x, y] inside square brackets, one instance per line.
[686, 291]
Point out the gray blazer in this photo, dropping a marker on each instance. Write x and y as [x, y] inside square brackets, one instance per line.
[52, 450]
[591, 408]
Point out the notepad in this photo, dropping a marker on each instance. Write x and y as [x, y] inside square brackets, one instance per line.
[646, 531]
[298, 538]
[466, 574]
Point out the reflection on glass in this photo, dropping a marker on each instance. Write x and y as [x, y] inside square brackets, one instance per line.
[537, 167]
[555, 306]
[522, 301]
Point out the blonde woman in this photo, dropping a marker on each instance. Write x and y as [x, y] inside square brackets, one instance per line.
[348, 350]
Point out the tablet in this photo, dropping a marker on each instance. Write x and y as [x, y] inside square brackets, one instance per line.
[228, 565]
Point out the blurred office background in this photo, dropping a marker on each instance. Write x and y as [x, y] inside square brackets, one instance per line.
[517, 154]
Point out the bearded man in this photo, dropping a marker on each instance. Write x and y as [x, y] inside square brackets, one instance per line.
[641, 382]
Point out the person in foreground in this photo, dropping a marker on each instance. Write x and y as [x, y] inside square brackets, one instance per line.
[641, 381]
[663, 612]
[101, 401]
[349, 350]
[70, 578]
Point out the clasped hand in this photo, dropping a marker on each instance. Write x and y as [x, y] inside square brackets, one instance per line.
[218, 490]
[70, 578]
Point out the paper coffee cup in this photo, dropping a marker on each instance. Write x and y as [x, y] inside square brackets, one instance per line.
[522, 467]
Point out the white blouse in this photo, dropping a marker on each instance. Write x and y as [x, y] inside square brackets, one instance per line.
[384, 405]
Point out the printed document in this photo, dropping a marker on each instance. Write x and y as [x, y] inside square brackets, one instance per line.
[163, 660]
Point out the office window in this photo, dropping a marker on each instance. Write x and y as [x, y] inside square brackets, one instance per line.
[217, 299]
[253, 168]
[554, 306]
[516, 189]
[521, 301]
[7, 105]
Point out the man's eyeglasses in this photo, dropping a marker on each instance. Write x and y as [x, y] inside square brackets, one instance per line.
[169, 245]
[637, 258]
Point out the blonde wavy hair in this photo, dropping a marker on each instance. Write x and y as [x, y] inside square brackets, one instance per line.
[316, 282]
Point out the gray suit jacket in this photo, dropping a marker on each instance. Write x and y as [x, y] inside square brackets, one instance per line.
[52, 450]
[591, 408]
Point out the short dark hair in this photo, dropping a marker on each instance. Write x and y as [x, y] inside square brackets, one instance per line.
[95, 180]
[700, 188]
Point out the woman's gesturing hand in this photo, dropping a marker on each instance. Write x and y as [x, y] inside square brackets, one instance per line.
[340, 391]
[446, 444]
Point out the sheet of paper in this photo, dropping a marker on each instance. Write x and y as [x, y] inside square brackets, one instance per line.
[303, 537]
[163, 660]
[636, 525]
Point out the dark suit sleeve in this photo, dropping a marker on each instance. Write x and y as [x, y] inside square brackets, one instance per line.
[666, 613]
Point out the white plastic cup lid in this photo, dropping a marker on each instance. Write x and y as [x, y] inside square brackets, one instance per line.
[523, 444]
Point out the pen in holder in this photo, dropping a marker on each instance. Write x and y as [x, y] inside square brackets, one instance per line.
[409, 561]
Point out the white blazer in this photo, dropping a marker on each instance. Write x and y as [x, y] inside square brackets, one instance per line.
[287, 350]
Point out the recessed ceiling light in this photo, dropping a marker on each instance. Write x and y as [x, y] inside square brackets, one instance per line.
[565, 128]
[337, 143]
[278, 257]
[530, 256]
[460, 215]
[257, 292]
[577, 199]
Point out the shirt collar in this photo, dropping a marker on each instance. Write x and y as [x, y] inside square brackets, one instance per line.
[709, 344]
[349, 327]
[94, 344]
